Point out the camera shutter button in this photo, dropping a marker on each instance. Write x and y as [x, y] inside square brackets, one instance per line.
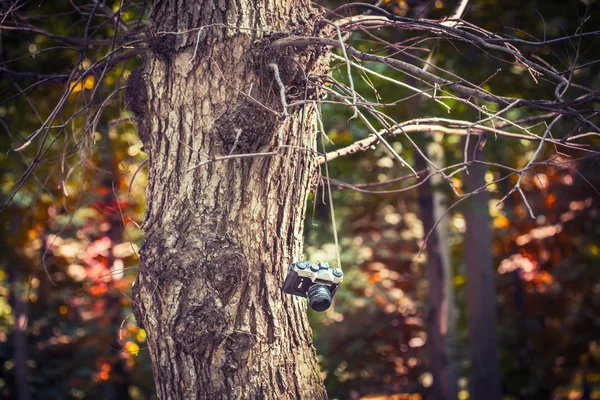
[338, 272]
[314, 267]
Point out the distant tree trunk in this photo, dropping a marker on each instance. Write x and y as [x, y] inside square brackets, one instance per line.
[485, 378]
[19, 335]
[436, 153]
[440, 322]
[219, 238]
[19, 332]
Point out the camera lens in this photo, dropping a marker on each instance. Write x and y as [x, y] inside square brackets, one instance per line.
[319, 297]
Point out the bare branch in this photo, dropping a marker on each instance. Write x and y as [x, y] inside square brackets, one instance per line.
[546, 105]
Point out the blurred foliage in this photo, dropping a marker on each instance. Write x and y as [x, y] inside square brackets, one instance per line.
[548, 284]
[70, 235]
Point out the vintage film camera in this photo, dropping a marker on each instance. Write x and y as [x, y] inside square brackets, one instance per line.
[318, 282]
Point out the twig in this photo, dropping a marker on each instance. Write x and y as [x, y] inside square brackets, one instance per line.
[387, 78]
[275, 69]
[348, 64]
[517, 186]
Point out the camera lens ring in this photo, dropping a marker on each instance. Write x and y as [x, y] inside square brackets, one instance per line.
[319, 298]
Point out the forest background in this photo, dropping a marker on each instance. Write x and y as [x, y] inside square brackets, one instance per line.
[69, 236]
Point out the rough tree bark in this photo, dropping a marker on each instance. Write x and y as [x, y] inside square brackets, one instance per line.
[219, 238]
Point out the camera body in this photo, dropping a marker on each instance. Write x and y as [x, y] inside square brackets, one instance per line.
[317, 282]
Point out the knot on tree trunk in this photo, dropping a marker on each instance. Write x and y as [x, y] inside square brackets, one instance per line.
[247, 128]
[237, 346]
[226, 273]
[201, 327]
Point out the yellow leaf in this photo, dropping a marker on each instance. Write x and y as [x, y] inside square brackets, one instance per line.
[75, 87]
[89, 82]
[132, 348]
[141, 336]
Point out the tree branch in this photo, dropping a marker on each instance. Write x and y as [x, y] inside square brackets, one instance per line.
[545, 105]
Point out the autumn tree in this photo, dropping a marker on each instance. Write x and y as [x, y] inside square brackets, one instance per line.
[228, 102]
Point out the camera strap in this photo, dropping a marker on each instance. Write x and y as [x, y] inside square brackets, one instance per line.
[332, 210]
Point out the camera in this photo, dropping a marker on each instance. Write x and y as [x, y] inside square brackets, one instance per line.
[318, 282]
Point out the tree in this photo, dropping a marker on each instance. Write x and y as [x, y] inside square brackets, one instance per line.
[485, 378]
[227, 103]
[218, 238]
[441, 323]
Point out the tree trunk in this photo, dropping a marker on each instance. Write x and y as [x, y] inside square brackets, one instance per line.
[19, 306]
[441, 328]
[485, 378]
[435, 152]
[219, 238]
[19, 333]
